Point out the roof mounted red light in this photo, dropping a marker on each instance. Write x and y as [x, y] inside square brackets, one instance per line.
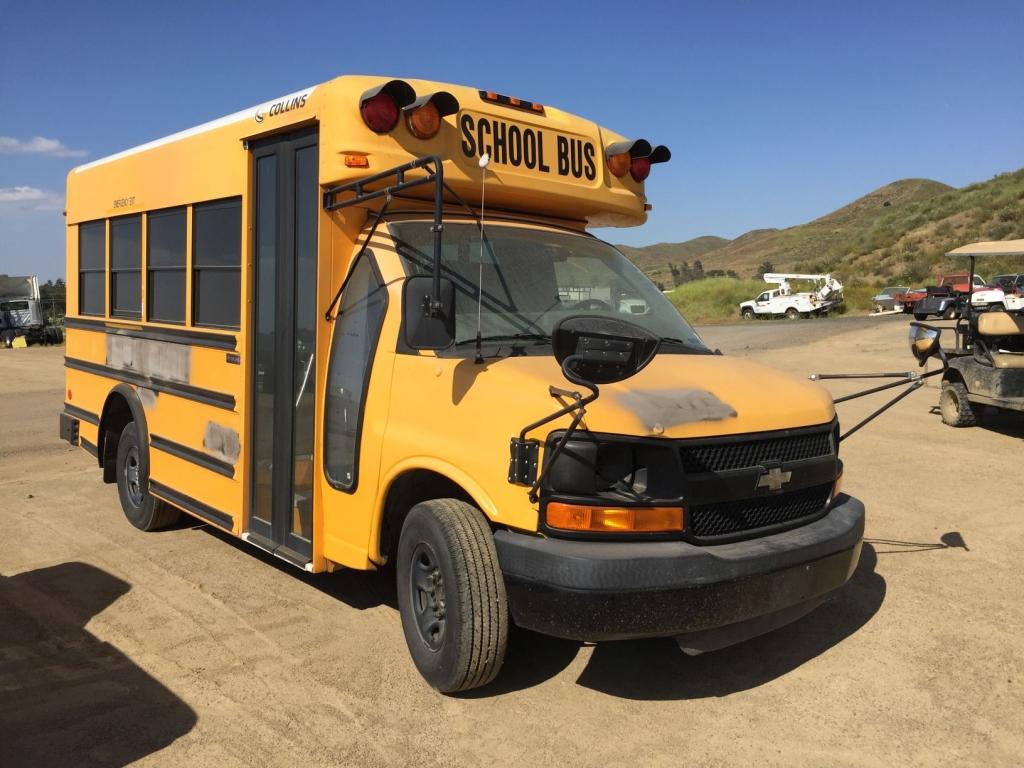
[640, 168]
[380, 106]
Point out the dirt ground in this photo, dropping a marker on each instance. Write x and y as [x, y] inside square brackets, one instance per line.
[184, 648]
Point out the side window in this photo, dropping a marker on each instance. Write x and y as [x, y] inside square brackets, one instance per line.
[165, 264]
[126, 266]
[356, 330]
[216, 263]
[92, 268]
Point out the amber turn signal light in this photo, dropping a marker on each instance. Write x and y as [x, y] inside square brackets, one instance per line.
[423, 122]
[619, 164]
[600, 519]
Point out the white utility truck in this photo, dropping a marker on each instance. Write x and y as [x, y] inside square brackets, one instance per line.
[825, 295]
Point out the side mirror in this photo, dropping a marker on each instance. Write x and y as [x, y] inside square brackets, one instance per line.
[601, 350]
[924, 342]
[426, 326]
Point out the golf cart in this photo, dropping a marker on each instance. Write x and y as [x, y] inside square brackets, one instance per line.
[986, 366]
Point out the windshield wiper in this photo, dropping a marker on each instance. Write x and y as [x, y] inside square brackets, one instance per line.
[682, 343]
[537, 337]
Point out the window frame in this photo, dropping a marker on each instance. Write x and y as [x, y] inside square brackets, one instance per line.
[115, 271]
[101, 270]
[183, 269]
[196, 269]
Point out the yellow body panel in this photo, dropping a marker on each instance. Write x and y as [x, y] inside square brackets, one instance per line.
[421, 411]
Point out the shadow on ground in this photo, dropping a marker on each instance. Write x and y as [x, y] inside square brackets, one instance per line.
[69, 699]
[998, 420]
[657, 670]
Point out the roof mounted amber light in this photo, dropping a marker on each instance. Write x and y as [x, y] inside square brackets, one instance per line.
[636, 157]
[423, 116]
[601, 519]
[512, 101]
[380, 105]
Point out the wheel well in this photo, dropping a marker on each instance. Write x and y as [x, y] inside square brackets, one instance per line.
[407, 491]
[116, 415]
[953, 375]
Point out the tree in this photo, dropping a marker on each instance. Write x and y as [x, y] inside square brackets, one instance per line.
[765, 268]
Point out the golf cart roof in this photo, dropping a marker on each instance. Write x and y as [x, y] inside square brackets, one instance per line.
[990, 248]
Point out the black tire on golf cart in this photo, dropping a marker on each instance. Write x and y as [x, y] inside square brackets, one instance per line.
[920, 316]
[143, 510]
[954, 406]
[792, 314]
[748, 313]
[949, 312]
[451, 595]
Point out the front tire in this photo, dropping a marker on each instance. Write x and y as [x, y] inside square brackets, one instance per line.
[143, 510]
[956, 409]
[949, 313]
[451, 595]
[920, 316]
[748, 313]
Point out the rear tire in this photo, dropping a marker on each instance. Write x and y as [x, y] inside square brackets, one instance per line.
[143, 510]
[956, 409]
[792, 314]
[451, 595]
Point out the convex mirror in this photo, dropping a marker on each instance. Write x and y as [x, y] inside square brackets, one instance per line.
[600, 350]
[924, 342]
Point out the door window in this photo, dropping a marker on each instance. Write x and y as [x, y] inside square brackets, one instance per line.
[356, 330]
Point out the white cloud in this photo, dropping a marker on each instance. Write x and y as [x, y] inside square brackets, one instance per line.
[31, 198]
[37, 145]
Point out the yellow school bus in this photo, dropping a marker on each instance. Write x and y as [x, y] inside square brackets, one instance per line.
[363, 325]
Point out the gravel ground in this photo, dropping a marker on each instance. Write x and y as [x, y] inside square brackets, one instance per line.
[183, 648]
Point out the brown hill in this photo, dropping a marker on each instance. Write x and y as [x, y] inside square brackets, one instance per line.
[654, 260]
[825, 239]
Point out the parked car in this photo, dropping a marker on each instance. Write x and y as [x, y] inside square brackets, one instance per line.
[886, 300]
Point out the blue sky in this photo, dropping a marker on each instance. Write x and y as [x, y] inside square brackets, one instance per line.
[775, 112]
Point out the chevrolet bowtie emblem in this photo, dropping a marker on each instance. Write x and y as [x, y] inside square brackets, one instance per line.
[773, 479]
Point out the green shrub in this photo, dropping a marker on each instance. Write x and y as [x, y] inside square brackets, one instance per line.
[715, 299]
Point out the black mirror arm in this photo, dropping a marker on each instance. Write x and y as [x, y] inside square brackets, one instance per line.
[909, 379]
[355, 262]
[577, 406]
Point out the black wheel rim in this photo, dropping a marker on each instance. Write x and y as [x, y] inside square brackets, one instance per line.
[131, 476]
[426, 593]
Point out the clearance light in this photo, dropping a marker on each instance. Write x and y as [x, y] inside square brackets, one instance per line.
[578, 517]
[423, 116]
[380, 106]
[512, 101]
[356, 160]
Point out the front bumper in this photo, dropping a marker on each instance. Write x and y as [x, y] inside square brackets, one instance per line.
[716, 595]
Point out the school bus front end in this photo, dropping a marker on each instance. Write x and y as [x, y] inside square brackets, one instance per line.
[433, 367]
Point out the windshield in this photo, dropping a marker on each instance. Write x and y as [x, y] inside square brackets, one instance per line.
[533, 278]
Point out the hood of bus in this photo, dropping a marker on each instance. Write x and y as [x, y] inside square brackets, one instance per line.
[674, 396]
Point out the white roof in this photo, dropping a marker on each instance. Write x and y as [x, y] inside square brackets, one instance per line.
[249, 113]
[990, 248]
